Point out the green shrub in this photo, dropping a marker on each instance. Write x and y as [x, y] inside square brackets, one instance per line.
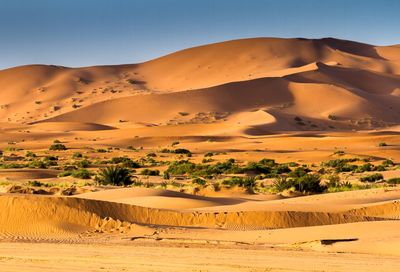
[12, 165]
[372, 178]
[364, 168]
[81, 173]
[309, 183]
[58, 146]
[199, 181]
[37, 164]
[282, 183]
[183, 151]
[382, 144]
[125, 162]
[114, 175]
[393, 181]
[387, 163]
[83, 163]
[245, 182]
[77, 155]
[150, 172]
[30, 154]
[299, 172]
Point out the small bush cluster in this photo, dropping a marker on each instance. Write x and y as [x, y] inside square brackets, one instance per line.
[372, 178]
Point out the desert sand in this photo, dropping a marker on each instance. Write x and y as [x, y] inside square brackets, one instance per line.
[296, 101]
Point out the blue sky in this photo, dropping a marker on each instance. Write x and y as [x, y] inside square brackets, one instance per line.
[91, 32]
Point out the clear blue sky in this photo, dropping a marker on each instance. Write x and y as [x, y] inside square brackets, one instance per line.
[91, 32]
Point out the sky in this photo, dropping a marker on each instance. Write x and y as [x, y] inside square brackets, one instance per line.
[93, 32]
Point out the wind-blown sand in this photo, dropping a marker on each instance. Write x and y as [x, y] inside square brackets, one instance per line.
[291, 100]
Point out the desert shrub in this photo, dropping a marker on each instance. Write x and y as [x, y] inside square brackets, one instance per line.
[65, 173]
[338, 162]
[393, 181]
[280, 169]
[35, 183]
[175, 143]
[101, 150]
[83, 163]
[150, 172]
[209, 154]
[387, 163]
[37, 164]
[339, 153]
[125, 162]
[12, 165]
[58, 146]
[81, 173]
[382, 144]
[183, 151]
[114, 175]
[257, 168]
[379, 168]
[166, 175]
[199, 181]
[181, 167]
[372, 178]
[333, 181]
[56, 142]
[367, 167]
[282, 183]
[309, 183]
[77, 155]
[207, 160]
[299, 172]
[245, 182]
[332, 117]
[30, 154]
[151, 155]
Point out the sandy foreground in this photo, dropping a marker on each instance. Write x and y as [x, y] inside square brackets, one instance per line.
[109, 257]
[59, 235]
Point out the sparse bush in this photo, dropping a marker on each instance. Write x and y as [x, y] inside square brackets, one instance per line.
[199, 181]
[83, 163]
[332, 117]
[393, 181]
[150, 172]
[245, 182]
[382, 144]
[77, 155]
[183, 151]
[81, 173]
[30, 154]
[282, 183]
[58, 146]
[372, 178]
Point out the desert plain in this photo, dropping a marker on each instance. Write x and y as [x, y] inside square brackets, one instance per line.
[259, 154]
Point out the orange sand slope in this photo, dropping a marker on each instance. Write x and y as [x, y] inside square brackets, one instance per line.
[327, 83]
[118, 209]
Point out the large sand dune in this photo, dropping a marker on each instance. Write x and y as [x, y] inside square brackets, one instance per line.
[355, 84]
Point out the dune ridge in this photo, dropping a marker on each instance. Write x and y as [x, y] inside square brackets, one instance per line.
[60, 216]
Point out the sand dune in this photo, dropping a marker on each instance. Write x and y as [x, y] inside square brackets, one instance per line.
[357, 83]
[58, 216]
